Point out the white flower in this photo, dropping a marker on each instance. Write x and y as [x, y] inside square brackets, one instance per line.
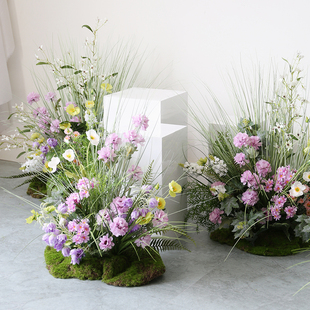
[289, 145]
[297, 189]
[192, 168]
[92, 136]
[69, 155]
[306, 176]
[218, 166]
[68, 131]
[53, 163]
[67, 139]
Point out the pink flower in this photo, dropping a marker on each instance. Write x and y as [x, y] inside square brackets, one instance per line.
[114, 140]
[119, 205]
[252, 180]
[106, 242]
[119, 227]
[263, 167]
[275, 212]
[55, 126]
[290, 211]
[241, 139]
[255, 142]
[50, 96]
[215, 216]
[143, 241]
[140, 121]
[135, 172]
[160, 218]
[240, 159]
[250, 197]
[269, 184]
[133, 137]
[107, 154]
[83, 183]
[33, 97]
[75, 119]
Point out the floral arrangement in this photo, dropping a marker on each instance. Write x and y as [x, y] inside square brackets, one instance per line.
[99, 202]
[257, 173]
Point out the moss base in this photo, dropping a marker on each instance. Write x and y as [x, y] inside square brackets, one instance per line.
[37, 189]
[271, 242]
[116, 270]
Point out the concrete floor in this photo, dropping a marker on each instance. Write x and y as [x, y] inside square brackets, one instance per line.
[196, 280]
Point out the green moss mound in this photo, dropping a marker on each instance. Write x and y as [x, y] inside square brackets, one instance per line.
[271, 242]
[37, 188]
[116, 270]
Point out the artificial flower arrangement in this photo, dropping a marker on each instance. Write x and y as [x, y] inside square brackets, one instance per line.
[257, 173]
[81, 82]
[99, 202]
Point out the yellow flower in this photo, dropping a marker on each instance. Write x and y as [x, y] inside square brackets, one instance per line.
[144, 220]
[41, 139]
[50, 209]
[64, 125]
[174, 188]
[202, 161]
[107, 87]
[33, 217]
[72, 110]
[89, 104]
[34, 136]
[161, 203]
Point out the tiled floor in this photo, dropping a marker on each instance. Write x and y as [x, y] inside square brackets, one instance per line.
[194, 280]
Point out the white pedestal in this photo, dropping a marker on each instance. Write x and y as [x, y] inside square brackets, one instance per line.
[166, 137]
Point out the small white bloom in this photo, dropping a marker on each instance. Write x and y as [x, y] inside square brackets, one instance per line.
[92, 136]
[289, 145]
[297, 189]
[53, 163]
[67, 139]
[69, 155]
[306, 176]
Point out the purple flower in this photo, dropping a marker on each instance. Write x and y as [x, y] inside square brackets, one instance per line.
[263, 167]
[252, 180]
[240, 159]
[160, 218]
[61, 240]
[135, 172]
[50, 96]
[143, 241]
[153, 203]
[290, 211]
[55, 126]
[41, 112]
[44, 149]
[118, 205]
[65, 251]
[52, 142]
[50, 227]
[147, 188]
[128, 203]
[250, 197]
[241, 139]
[140, 121]
[106, 242]
[62, 208]
[35, 145]
[215, 216]
[33, 97]
[106, 153]
[46, 238]
[76, 256]
[119, 227]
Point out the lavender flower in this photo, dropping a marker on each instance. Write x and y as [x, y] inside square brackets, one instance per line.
[33, 97]
[52, 142]
[76, 256]
[50, 96]
[106, 242]
[119, 227]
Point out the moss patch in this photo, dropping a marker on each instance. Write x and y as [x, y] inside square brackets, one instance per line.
[271, 242]
[37, 189]
[116, 270]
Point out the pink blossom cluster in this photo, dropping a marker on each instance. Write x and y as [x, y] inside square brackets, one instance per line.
[240, 159]
[80, 229]
[215, 216]
[282, 177]
[263, 167]
[160, 218]
[106, 243]
[121, 205]
[119, 226]
[243, 140]
[106, 154]
[113, 140]
[250, 197]
[133, 137]
[252, 180]
[135, 172]
[143, 241]
[140, 121]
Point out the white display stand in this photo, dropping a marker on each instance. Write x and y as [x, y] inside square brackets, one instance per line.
[166, 136]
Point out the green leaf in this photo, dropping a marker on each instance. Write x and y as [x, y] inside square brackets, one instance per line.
[25, 130]
[66, 67]
[229, 203]
[77, 72]
[20, 154]
[42, 63]
[86, 26]
[11, 115]
[62, 87]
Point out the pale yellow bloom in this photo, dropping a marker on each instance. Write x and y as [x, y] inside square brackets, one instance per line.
[89, 104]
[107, 87]
[34, 136]
[174, 188]
[72, 110]
[64, 125]
[144, 220]
[161, 203]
